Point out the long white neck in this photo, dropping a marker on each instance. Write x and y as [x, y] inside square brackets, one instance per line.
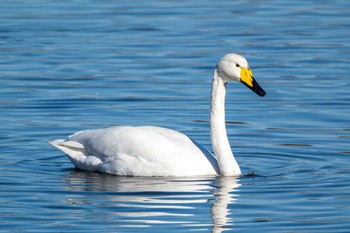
[221, 146]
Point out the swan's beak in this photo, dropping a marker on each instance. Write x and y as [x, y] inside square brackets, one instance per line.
[248, 80]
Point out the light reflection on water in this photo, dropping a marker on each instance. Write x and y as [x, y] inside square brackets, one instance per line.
[141, 202]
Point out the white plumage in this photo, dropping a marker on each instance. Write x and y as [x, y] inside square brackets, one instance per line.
[156, 151]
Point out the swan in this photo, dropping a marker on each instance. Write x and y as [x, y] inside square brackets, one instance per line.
[156, 151]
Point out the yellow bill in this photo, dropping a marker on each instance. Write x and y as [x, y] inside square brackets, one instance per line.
[248, 80]
[247, 76]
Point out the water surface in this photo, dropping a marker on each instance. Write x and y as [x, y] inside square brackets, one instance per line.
[69, 66]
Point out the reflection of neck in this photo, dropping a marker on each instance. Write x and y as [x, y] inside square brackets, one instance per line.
[219, 210]
[222, 150]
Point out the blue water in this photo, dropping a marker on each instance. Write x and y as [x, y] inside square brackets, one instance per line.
[72, 65]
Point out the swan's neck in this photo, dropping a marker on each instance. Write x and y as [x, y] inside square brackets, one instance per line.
[221, 146]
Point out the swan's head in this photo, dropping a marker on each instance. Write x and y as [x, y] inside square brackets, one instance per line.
[235, 67]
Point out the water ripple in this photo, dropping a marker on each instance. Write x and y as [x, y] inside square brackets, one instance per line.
[67, 66]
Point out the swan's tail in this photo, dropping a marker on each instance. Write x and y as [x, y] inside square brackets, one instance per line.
[77, 154]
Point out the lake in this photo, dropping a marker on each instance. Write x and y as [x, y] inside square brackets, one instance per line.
[72, 65]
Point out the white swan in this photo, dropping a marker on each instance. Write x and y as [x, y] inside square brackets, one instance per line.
[155, 151]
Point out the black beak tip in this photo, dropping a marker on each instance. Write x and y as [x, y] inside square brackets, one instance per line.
[256, 88]
[261, 92]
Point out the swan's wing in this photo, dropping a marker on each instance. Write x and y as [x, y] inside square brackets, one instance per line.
[148, 142]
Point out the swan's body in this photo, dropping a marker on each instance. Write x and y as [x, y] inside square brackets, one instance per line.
[138, 151]
[155, 151]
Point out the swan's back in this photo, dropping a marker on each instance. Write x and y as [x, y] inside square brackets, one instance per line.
[138, 151]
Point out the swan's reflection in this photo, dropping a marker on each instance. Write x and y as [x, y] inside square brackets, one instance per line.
[145, 201]
[224, 195]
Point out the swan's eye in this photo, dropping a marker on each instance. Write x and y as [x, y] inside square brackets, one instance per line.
[237, 65]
